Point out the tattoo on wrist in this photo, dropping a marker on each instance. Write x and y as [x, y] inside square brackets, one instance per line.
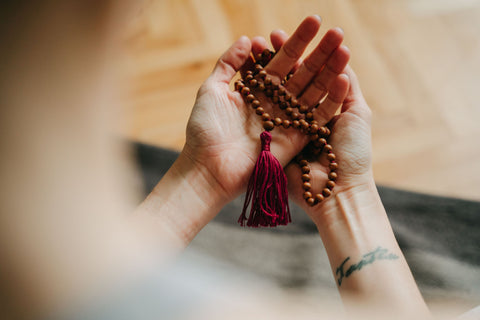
[368, 258]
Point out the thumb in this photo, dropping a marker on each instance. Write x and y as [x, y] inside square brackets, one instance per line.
[231, 61]
[354, 101]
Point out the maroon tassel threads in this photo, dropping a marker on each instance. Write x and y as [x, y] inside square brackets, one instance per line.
[267, 191]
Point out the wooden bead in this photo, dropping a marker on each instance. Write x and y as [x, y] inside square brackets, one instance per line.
[249, 72]
[250, 98]
[303, 109]
[265, 116]
[323, 141]
[262, 73]
[319, 197]
[268, 81]
[311, 202]
[333, 166]
[322, 131]
[296, 124]
[281, 91]
[305, 169]
[309, 116]
[277, 121]
[330, 184]
[327, 131]
[288, 96]
[314, 137]
[268, 125]
[307, 194]
[307, 186]
[305, 177]
[303, 163]
[255, 104]
[253, 83]
[295, 115]
[239, 85]
[328, 148]
[283, 105]
[245, 91]
[269, 92]
[332, 175]
[261, 86]
[314, 128]
[305, 125]
[331, 156]
[289, 111]
[326, 192]
[258, 67]
[259, 111]
[248, 77]
[294, 103]
[286, 124]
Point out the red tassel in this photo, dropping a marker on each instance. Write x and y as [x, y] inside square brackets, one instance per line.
[267, 190]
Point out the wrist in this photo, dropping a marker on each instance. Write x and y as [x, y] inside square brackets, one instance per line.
[182, 203]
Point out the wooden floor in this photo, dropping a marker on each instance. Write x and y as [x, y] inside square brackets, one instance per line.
[418, 62]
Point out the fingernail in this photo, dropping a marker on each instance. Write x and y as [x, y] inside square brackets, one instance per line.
[319, 18]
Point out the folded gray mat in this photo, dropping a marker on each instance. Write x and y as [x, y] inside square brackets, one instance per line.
[439, 236]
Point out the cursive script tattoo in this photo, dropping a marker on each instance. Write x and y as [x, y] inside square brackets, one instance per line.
[368, 258]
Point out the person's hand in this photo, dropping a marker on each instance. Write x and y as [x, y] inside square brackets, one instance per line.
[351, 143]
[223, 132]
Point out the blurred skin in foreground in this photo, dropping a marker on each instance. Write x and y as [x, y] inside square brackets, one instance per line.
[68, 188]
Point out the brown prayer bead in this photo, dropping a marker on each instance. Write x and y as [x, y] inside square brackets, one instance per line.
[327, 148]
[281, 91]
[319, 197]
[283, 105]
[307, 186]
[330, 184]
[305, 177]
[333, 166]
[268, 125]
[294, 103]
[311, 202]
[277, 121]
[296, 124]
[322, 141]
[331, 156]
[289, 111]
[250, 98]
[309, 116]
[245, 91]
[303, 109]
[253, 83]
[261, 86]
[255, 104]
[307, 194]
[305, 169]
[332, 175]
[295, 115]
[260, 111]
[314, 137]
[288, 96]
[265, 116]
[268, 81]
[286, 124]
[262, 74]
[314, 128]
[303, 163]
[326, 192]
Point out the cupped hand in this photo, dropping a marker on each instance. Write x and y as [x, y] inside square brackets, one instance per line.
[223, 132]
[351, 141]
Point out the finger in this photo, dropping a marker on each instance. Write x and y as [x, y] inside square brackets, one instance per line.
[354, 101]
[278, 39]
[293, 48]
[338, 91]
[231, 61]
[315, 61]
[320, 85]
[258, 45]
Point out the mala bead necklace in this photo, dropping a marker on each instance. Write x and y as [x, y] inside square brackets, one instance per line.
[267, 187]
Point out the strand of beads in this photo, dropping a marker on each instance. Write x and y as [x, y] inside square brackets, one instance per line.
[299, 117]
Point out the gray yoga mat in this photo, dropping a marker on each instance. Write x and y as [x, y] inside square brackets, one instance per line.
[439, 236]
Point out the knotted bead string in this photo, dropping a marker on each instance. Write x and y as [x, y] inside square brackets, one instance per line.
[300, 117]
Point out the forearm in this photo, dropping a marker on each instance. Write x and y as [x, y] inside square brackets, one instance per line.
[181, 204]
[366, 261]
